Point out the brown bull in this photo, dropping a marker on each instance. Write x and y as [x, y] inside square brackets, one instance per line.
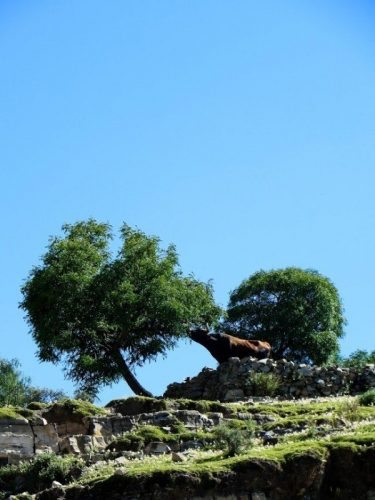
[223, 346]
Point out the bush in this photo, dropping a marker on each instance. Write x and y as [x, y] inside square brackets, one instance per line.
[263, 384]
[127, 442]
[367, 398]
[349, 410]
[39, 474]
[232, 438]
[152, 433]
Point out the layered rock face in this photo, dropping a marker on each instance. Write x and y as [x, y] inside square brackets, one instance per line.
[60, 431]
[231, 381]
[22, 438]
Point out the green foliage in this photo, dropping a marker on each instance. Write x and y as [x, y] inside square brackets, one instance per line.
[44, 395]
[202, 405]
[101, 314]
[127, 442]
[263, 384]
[10, 412]
[297, 311]
[151, 433]
[367, 398]
[39, 474]
[234, 437]
[349, 410]
[13, 385]
[358, 359]
[85, 395]
[16, 389]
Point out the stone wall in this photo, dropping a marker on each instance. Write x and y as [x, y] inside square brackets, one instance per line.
[231, 381]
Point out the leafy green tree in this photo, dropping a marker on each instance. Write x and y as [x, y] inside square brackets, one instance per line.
[13, 385]
[357, 359]
[16, 389]
[103, 315]
[299, 312]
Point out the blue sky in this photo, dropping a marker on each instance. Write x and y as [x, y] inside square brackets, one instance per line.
[243, 132]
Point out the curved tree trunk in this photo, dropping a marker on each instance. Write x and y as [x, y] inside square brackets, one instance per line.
[130, 379]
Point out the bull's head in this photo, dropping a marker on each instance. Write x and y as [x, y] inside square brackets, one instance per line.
[200, 333]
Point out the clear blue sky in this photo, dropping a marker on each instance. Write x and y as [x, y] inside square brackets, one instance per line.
[243, 132]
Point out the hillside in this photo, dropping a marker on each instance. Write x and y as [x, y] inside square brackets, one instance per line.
[144, 448]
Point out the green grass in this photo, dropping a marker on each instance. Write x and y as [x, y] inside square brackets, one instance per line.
[78, 407]
[11, 412]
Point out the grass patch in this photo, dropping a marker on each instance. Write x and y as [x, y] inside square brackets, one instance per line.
[76, 407]
[10, 412]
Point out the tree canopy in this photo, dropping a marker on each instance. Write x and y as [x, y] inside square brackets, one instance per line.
[102, 315]
[299, 312]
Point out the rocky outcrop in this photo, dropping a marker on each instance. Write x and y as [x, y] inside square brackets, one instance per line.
[60, 429]
[231, 381]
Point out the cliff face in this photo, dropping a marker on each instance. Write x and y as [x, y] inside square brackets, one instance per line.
[144, 448]
[342, 473]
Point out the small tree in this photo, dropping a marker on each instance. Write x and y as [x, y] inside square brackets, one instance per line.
[13, 385]
[297, 311]
[16, 389]
[103, 315]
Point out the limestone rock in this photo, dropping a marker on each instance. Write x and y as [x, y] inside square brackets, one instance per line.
[157, 448]
[234, 395]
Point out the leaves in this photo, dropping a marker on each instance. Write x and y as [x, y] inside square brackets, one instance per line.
[84, 305]
[298, 311]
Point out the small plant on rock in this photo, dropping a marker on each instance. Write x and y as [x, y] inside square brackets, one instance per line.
[349, 410]
[233, 438]
[263, 384]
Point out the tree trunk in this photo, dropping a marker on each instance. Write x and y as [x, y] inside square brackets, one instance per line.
[130, 379]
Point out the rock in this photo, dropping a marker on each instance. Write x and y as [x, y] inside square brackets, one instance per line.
[258, 495]
[120, 472]
[69, 444]
[157, 448]
[192, 418]
[269, 438]
[16, 438]
[160, 418]
[56, 484]
[135, 405]
[120, 460]
[46, 439]
[234, 395]
[178, 457]
[191, 445]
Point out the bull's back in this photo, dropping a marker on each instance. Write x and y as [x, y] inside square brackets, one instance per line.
[242, 348]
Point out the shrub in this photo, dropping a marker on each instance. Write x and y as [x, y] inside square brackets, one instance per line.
[39, 474]
[263, 384]
[152, 433]
[127, 442]
[349, 410]
[233, 438]
[367, 398]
